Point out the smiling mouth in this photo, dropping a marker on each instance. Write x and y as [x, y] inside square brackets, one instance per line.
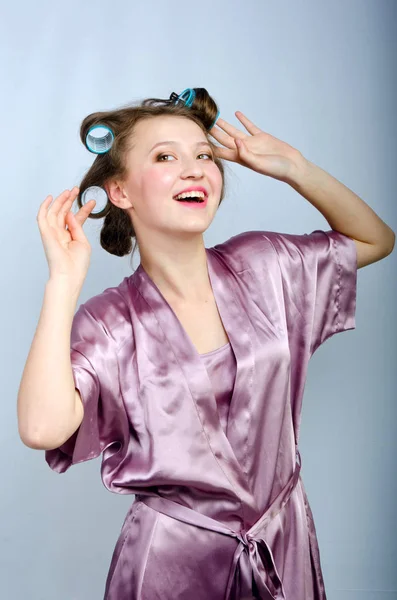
[198, 196]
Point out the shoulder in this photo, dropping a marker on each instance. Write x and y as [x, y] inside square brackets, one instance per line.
[243, 250]
[254, 249]
[252, 242]
[106, 311]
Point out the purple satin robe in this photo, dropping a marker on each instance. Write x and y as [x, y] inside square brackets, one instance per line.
[218, 514]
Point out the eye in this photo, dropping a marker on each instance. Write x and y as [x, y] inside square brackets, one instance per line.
[160, 156]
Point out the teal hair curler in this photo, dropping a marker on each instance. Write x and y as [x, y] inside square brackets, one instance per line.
[99, 139]
[187, 97]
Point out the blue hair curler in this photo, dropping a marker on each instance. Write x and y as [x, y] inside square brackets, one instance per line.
[187, 96]
[99, 139]
[98, 194]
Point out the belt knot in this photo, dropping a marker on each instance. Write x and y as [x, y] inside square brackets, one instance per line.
[246, 538]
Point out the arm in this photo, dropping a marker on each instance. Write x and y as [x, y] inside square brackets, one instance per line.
[344, 210]
[49, 406]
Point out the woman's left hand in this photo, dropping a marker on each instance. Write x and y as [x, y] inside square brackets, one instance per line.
[257, 150]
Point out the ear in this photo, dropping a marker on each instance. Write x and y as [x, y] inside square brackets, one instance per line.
[117, 195]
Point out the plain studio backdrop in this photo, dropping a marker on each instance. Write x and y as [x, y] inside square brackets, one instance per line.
[320, 76]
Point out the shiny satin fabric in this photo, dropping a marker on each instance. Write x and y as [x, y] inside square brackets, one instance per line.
[221, 369]
[253, 559]
[218, 513]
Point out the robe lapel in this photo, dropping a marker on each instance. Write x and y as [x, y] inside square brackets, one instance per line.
[228, 449]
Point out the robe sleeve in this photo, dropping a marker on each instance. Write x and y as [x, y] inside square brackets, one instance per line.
[95, 373]
[319, 275]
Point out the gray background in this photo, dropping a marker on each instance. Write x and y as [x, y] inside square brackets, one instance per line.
[320, 76]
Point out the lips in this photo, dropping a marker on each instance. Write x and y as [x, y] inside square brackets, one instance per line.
[194, 188]
[194, 204]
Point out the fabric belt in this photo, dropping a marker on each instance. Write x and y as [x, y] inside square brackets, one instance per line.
[253, 558]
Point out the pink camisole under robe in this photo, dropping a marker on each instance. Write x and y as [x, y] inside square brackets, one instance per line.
[221, 367]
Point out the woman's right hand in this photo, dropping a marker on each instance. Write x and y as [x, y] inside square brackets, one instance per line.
[67, 250]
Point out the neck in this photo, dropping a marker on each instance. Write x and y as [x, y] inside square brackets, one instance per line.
[179, 270]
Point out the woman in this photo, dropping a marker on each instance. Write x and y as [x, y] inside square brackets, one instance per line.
[188, 376]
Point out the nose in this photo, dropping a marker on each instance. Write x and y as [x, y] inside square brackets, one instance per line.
[191, 168]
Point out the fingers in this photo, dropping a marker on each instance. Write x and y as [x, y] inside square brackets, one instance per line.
[42, 213]
[54, 214]
[81, 215]
[227, 154]
[223, 138]
[45, 206]
[65, 208]
[75, 228]
[58, 203]
[51, 215]
[85, 211]
[232, 131]
[227, 138]
[249, 125]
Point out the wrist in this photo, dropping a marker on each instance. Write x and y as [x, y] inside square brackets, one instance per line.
[61, 288]
[298, 171]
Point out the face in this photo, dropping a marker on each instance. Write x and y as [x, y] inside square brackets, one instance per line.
[170, 154]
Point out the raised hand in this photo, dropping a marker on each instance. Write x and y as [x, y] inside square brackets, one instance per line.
[256, 149]
[66, 247]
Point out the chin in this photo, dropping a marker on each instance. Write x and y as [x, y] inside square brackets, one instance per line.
[193, 230]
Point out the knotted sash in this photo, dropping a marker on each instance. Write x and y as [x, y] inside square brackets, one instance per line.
[253, 558]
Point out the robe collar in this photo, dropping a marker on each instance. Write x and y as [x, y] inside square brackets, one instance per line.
[230, 449]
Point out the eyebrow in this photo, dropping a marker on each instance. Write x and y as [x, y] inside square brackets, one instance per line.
[176, 144]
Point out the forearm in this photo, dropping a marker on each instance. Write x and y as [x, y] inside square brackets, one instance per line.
[46, 396]
[343, 209]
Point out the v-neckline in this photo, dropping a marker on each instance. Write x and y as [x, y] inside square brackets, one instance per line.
[239, 332]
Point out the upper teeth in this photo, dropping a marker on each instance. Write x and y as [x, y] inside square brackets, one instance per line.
[193, 194]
